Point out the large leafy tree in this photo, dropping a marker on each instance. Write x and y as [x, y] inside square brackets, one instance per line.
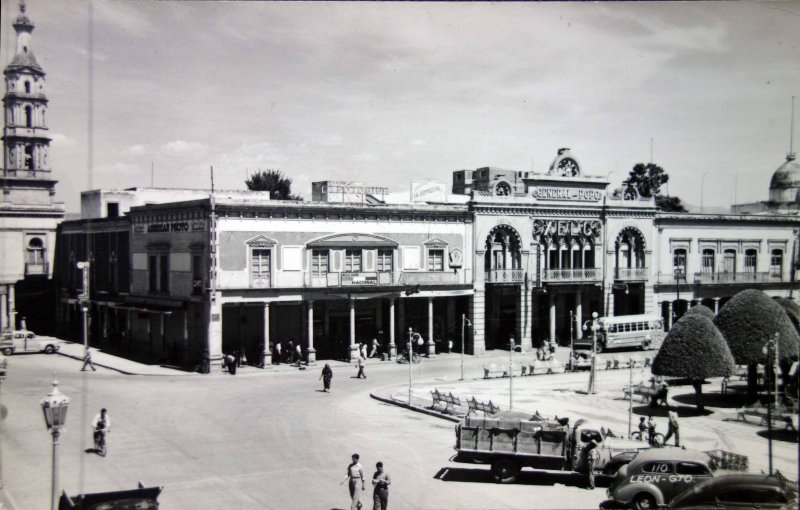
[694, 349]
[701, 310]
[747, 322]
[648, 178]
[278, 185]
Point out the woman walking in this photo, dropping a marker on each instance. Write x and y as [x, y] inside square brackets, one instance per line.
[327, 375]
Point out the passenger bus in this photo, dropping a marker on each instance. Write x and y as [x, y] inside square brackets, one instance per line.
[639, 331]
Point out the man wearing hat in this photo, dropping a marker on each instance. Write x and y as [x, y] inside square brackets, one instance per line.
[590, 455]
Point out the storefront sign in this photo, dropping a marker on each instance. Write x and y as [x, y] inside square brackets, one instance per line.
[456, 258]
[167, 227]
[582, 195]
[589, 228]
[428, 192]
[353, 279]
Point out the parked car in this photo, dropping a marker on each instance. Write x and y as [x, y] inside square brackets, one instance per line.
[657, 475]
[27, 341]
[740, 491]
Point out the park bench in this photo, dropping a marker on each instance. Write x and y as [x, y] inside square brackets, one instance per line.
[493, 370]
[485, 407]
[449, 400]
[545, 367]
[757, 410]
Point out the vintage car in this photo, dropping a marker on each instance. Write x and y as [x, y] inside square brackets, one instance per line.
[740, 491]
[27, 341]
[657, 475]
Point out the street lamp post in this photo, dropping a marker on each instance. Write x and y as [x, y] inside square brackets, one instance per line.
[571, 342]
[630, 400]
[55, 407]
[464, 323]
[511, 345]
[410, 356]
[767, 350]
[593, 321]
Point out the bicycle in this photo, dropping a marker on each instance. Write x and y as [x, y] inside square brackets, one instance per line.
[403, 358]
[657, 440]
[100, 443]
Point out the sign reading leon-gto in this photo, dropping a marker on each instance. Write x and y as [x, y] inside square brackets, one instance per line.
[585, 195]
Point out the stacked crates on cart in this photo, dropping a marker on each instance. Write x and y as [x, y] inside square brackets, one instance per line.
[728, 460]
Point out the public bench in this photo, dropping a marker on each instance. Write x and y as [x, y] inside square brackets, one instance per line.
[493, 370]
[545, 367]
[759, 411]
[646, 392]
[485, 407]
[449, 401]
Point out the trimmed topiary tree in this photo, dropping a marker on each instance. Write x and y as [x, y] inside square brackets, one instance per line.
[695, 349]
[792, 310]
[747, 321]
[701, 310]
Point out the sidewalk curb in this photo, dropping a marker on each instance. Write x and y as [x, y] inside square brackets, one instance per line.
[422, 410]
[96, 363]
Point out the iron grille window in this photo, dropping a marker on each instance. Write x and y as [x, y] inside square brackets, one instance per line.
[679, 262]
[776, 263]
[750, 259]
[729, 261]
[384, 263]
[435, 260]
[708, 261]
[319, 262]
[352, 261]
[260, 265]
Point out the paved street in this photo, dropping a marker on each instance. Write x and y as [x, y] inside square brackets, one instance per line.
[273, 440]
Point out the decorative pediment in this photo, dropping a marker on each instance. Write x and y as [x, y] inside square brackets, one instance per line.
[436, 242]
[353, 241]
[261, 241]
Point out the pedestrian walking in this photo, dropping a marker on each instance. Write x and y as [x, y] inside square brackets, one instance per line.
[672, 426]
[87, 359]
[381, 482]
[206, 367]
[374, 351]
[277, 357]
[363, 350]
[355, 477]
[590, 455]
[326, 376]
[230, 362]
[298, 354]
[289, 351]
[360, 374]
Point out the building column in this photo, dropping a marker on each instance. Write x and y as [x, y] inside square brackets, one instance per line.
[353, 347]
[12, 307]
[214, 333]
[266, 359]
[392, 344]
[4, 309]
[478, 312]
[716, 305]
[552, 317]
[524, 316]
[579, 315]
[431, 345]
[311, 357]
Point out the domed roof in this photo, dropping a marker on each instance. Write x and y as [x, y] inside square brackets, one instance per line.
[785, 183]
[787, 175]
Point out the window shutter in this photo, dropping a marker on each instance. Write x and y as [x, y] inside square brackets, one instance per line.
[336, 266]
[369, 260]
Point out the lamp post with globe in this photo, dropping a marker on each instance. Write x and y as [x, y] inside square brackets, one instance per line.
[55, 407]
[593, 325]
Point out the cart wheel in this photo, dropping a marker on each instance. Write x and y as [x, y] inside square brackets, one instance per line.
[505, 471]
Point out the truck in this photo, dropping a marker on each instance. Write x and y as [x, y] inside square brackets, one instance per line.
[510, 441]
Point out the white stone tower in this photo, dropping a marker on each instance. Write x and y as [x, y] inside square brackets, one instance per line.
[28, 213]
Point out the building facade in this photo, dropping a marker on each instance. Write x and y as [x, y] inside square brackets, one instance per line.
[28, 211]
[528, 256]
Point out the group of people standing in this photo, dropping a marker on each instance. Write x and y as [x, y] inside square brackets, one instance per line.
[356, 479]
[287, 352]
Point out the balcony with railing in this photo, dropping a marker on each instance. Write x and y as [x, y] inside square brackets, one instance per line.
[36, 268]
[569, 275]
[511, 276]
[727, 278]
[628, 274]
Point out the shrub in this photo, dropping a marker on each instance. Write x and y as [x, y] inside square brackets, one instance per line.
[701, 310]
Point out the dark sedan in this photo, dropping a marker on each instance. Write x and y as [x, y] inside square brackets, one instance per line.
[740, 491]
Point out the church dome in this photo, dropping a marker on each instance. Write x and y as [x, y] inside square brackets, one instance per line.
[785, 183]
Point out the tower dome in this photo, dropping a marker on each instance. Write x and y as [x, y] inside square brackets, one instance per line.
[785, 184]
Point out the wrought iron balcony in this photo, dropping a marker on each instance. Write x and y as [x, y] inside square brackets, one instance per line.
[630, 273]
[505, 276]
[34, 268]
[572, 275]
[732, 278]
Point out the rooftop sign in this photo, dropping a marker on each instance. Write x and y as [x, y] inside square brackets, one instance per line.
[571, 194]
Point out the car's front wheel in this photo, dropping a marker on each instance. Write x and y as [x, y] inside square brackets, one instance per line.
[644, 501]
[49, 349]
[8, 351]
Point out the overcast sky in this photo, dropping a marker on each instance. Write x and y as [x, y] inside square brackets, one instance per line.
[388, 93]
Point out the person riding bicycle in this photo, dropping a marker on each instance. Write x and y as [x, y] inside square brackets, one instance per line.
[101, 424]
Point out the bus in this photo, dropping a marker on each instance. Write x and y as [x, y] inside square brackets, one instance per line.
[639, 331]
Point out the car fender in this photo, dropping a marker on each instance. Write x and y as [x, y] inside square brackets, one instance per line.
[627, 492]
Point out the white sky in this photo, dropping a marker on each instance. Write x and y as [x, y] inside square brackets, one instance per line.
[388, 93]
